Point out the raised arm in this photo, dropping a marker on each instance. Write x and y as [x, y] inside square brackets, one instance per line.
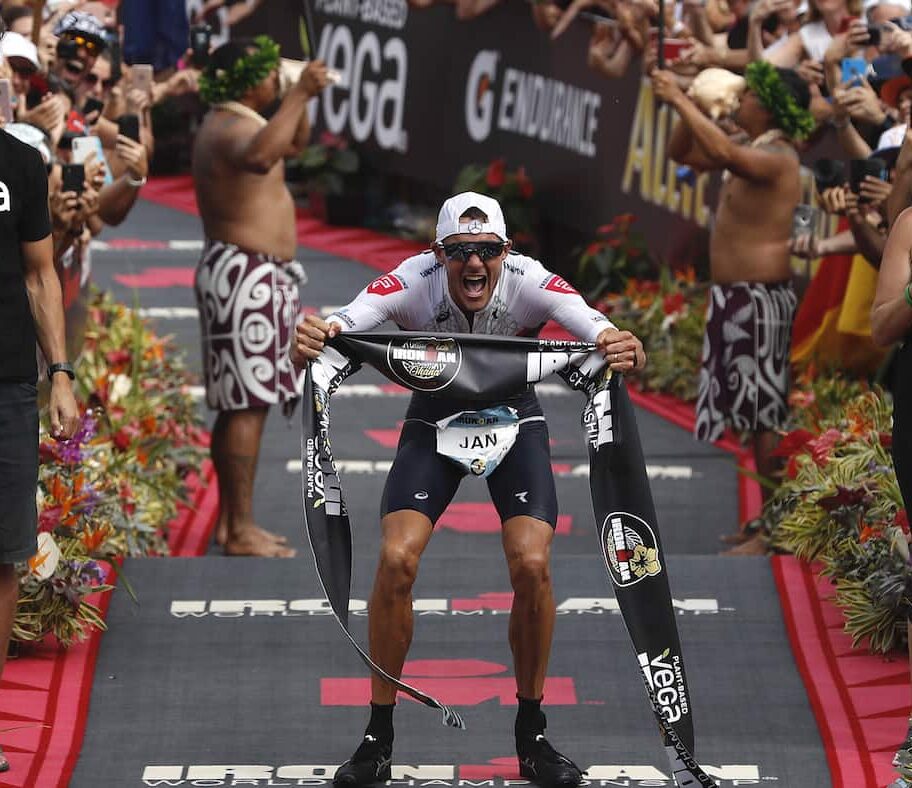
[281, 136]
[714, 145]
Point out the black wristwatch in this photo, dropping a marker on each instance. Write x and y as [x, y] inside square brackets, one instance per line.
[61, 366]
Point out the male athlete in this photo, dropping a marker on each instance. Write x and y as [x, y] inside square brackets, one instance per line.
[468, 283]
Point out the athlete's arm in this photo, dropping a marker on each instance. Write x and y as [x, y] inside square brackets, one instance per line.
[388, 297]
[310, 336]
[558, 301]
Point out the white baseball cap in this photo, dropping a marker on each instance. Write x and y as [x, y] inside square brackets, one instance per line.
[16, 45]
[448, 219]
[904, 4]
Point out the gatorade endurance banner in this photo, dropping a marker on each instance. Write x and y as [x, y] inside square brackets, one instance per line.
[490, 369]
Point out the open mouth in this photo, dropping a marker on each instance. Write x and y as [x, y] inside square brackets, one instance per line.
[474, 284]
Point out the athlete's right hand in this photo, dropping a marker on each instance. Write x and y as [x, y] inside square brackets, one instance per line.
[310, 335]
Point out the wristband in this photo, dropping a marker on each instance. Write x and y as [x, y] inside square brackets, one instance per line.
[61, 366]
[136, 184]
[908, 294]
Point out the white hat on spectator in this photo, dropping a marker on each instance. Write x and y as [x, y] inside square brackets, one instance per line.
[904, 4]
[16, 45]
[448, 219]
[30, 135]
[892, 137]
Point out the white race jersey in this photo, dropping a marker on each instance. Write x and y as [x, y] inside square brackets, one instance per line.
[415, 296]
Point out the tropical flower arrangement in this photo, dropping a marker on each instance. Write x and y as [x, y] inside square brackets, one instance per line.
[514, 191]
[668, 314]
[839, 504]
[617, 254]
[324, 166]
[111, 490]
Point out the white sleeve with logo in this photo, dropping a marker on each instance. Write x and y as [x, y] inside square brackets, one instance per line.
[395, 296]
[551, 297]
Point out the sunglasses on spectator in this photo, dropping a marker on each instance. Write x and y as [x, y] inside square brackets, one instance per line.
[92, 80]
[74, 67]
[461, 252]
[88, 44]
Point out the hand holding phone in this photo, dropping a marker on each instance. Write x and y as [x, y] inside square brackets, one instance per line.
[859, 169]
[128, 125]
[804, 220]
[854, 70]
[73, 178]
[141, 77]
[200, 42]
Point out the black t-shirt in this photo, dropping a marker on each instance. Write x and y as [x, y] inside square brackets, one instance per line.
[23, 217]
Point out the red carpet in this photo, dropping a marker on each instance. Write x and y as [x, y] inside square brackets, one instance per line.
[860, 701]
[44, 695]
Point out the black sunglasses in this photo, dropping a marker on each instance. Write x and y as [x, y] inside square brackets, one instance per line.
[486, 250]
[88, 44]
[92, 80]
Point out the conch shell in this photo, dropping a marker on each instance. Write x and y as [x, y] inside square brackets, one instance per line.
[717, 92]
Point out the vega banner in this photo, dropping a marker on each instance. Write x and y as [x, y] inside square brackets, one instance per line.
[493, 369]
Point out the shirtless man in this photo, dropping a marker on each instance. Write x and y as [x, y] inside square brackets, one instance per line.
[745, 375]
[247, 281]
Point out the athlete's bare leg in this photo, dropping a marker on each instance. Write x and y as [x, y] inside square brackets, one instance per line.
[527, 547]
[406, 534]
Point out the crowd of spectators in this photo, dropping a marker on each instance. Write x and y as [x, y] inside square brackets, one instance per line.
[69, 89]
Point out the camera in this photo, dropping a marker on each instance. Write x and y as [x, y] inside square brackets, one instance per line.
[828, 173]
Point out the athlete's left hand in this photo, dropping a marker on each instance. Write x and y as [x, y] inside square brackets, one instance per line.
[622, 349]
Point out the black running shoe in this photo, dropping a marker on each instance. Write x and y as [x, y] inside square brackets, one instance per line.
[370, 764]
[542, 764]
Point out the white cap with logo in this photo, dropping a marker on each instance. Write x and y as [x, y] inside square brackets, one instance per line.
[15, 45]
[448, 219]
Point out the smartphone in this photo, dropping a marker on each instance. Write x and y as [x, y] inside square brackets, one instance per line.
[128, 125]
[673, 47]
[804, 220]
[83, 146]
[142, 77]
[828, 173]
[846, 24]
[874, 35]
[73, 178]
[200, 41]
[91, 105]
[6, 101]
[860, 168]
[116, 58]
[854, 70]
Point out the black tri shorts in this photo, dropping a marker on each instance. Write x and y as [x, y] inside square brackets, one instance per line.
[425, 481]
[18, 471]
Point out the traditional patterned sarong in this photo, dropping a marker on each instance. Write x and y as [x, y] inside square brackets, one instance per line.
[248, 304]
[744, 379]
